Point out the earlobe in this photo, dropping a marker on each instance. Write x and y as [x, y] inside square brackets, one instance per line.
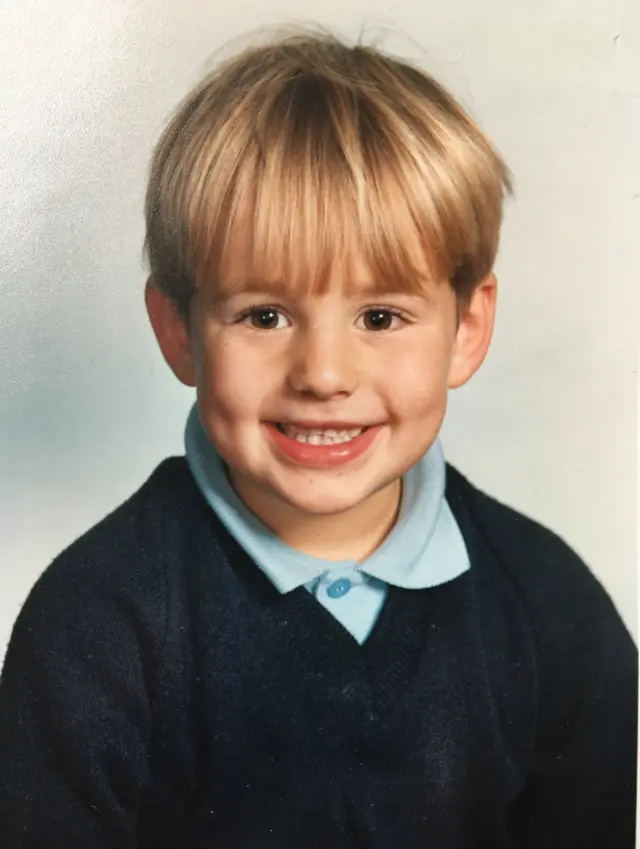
[475, 330]
[171, 333]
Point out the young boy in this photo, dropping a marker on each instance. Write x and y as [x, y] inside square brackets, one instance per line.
[311, 632]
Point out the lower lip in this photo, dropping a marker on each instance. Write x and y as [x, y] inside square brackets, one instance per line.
[305, 454]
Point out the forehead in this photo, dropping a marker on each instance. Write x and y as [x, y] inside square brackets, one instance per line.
[337, 283]
[245, 268]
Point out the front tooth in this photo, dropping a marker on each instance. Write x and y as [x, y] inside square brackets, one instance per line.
[315, 438]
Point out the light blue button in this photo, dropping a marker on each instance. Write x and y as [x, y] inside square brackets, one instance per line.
[339, 588]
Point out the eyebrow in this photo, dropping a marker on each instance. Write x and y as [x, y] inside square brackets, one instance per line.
[277, 287]
[229, 289]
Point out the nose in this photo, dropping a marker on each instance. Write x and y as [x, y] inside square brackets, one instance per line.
[322, 364]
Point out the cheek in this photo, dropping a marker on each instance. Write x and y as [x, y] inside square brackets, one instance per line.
[232, 384]
[417, 379]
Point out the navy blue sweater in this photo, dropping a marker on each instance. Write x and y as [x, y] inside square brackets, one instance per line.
[159, 693]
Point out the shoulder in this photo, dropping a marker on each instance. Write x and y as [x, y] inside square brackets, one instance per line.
[560, 593]
[116, 571]
[510, 532]
[133, 527]
[152, 509]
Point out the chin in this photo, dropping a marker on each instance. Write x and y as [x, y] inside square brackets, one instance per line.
[317, 500]
[324, 507]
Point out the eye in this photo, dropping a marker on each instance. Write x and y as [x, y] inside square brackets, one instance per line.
[265, 318]
[380, 319]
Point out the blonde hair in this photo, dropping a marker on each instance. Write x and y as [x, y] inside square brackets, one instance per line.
[307, 152]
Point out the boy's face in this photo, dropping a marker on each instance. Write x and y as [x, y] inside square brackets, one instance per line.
[275, 371]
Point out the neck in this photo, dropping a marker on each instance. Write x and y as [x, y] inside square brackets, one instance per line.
[344, 536]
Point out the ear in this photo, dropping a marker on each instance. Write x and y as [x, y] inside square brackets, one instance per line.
[171, 333]
[475, 329]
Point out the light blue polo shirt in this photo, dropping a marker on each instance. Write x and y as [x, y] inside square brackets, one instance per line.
[425, 547]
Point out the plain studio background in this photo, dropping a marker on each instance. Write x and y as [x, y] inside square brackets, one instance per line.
[87, 407]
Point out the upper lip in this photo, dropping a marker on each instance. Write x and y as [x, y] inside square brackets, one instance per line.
[304, 424]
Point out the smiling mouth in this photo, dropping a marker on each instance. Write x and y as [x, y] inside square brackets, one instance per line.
[328, 436]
